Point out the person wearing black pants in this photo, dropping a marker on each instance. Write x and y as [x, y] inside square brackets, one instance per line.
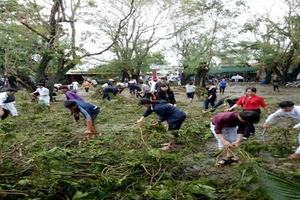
[211, 95]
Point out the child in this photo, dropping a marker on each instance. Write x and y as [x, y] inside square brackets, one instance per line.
[190, 91]
[145, 90]
[70, 94]
[223, 84]
[228, 128]
[165, 93]
[86, 85]
[108, 90]
[43, 94]
[251, 102]
[172, 116]
[7, 100]
[211, 95]
[90, 113]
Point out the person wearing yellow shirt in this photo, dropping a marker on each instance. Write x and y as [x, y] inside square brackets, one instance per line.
[86, 85]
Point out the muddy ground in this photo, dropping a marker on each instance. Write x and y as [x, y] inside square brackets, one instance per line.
[196, 108]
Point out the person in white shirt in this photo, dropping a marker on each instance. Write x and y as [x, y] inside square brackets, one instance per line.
[152, 85]
[43, 94]
[7, 106]
[75, 85]
[287, 108]
[94, 83]
[190, 91]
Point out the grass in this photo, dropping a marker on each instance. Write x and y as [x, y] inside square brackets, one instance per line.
[42, 156]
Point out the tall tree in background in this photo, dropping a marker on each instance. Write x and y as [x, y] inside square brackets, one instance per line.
[58, 50]
[143, 31]
[276, 42]
[200, 30]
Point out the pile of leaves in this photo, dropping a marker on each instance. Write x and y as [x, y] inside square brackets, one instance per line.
[43, 155]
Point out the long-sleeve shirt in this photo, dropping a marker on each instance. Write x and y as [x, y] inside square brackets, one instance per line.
[42, 91]
[212, 92]
[3, 98]
[167, 112]
[251, 103]
[10, 97]
[228, 119]
[73, 95]
[294, 113]
[168, 96]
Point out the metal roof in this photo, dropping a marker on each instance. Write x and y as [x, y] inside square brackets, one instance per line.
[232, 69]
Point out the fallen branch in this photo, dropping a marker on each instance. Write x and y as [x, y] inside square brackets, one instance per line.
[6, 192]
[72, 140]
[76, 175]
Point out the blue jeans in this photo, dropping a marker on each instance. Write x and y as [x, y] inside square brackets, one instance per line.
[209, 101]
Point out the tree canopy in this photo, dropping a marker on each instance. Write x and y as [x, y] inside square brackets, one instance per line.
[44, 37]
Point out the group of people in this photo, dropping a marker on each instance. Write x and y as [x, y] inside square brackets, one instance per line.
[229, 127]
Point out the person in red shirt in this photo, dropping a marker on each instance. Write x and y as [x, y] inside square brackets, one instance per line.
[228, 128]
[250, 102]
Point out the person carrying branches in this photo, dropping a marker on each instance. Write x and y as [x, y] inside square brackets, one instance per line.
[228, 128]
[7, 100]
[287, 108]
[90, 113]
[171, 116]
[250, 102]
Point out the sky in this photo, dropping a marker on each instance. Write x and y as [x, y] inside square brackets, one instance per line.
[275, 7]
[257, 7]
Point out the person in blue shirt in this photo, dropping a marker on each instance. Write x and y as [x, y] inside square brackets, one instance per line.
[222, 85]
[171, 116]
[90, 113]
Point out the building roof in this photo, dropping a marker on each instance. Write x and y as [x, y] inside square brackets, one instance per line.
[232, 69]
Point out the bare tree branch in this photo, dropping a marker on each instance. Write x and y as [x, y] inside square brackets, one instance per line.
[121, 25]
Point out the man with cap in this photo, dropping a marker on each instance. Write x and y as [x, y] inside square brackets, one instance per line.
[43, 94]
[90, 113]
[7, 101]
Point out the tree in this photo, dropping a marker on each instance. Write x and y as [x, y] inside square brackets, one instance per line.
[201, 31]
[59, 50]
[276, 43]
[142, 32]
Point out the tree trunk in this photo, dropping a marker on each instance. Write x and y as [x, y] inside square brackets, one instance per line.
[200, 76]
